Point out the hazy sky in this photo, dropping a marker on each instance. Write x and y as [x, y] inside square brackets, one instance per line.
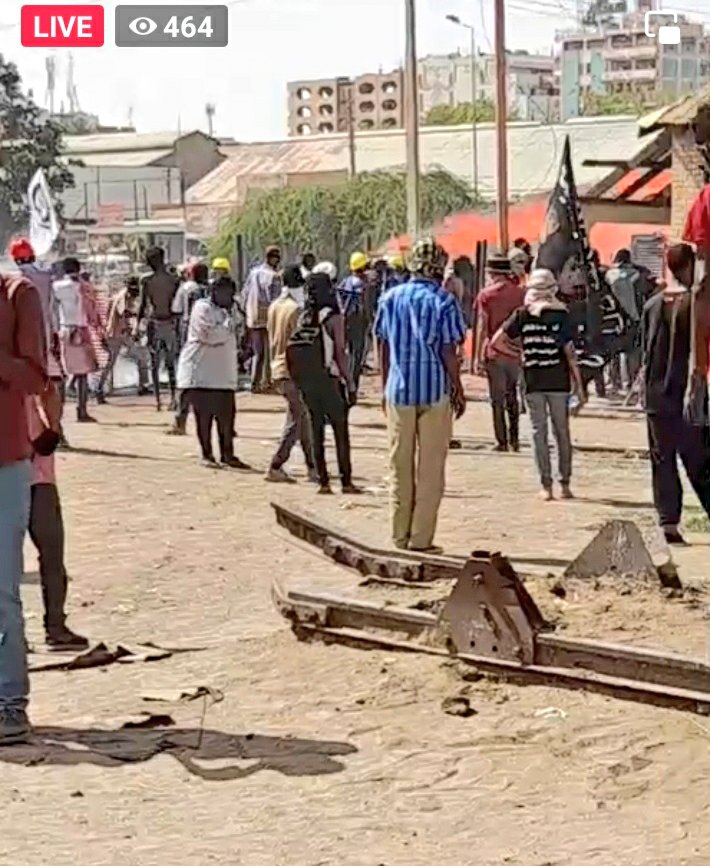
[270, 43]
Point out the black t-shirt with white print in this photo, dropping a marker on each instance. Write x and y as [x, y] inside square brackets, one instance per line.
[543, 339]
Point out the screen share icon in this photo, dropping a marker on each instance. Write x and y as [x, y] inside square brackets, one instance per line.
[667, 34]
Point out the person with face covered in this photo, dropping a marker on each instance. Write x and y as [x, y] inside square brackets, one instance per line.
[543, 329]
[519, 261]
[325, 383]
[308, 262]
[207, 371]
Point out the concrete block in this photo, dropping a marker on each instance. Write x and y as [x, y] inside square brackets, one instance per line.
[618, 548]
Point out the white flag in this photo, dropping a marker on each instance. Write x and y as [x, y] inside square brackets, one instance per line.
[44, 226]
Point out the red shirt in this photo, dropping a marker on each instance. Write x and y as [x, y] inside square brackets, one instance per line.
[697, 222]
[23, 363]
[498, 302]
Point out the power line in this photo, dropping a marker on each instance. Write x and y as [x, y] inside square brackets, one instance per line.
[542, 12]
[552, 5]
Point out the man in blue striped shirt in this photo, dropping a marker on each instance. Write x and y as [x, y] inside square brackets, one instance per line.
[419, 327]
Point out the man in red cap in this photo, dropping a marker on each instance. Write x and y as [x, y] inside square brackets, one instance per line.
[23, 372]
[23, 255]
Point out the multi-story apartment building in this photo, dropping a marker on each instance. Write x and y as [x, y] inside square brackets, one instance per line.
[373, 100]
[376, 98]
[623, 59]
[532, 88]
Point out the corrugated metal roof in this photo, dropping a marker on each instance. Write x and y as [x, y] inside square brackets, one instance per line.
[126, 159]
[117, 142]
[534, 155]
[650, 190]
[682, 112]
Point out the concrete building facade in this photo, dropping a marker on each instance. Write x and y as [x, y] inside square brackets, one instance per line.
[374, 100]
[623, 59]
[532, 89]
[321, 107]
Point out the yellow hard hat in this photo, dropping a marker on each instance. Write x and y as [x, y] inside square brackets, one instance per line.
[220, 264]
[396, 260]
[358, 261]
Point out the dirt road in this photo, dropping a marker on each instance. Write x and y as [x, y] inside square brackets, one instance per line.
[326, 755]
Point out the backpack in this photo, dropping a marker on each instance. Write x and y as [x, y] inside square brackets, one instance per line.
[305, 353]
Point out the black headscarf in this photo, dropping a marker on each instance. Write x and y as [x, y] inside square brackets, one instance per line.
[320, 293]
[222, 292]
[292, 277]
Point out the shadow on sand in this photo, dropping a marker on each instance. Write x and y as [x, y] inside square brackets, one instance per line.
[192, 748]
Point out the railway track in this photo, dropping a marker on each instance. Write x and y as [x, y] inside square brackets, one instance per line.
[489, 621]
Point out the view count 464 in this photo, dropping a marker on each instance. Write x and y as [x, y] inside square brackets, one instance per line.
[171, 26]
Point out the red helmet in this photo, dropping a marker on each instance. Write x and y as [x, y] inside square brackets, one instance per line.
[21, 250]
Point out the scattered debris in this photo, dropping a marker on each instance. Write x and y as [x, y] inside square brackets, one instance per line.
[185, 695]
[551, 713]
[96, 657]
[434, 605]
[101, 656]
[149, 655]
[458, 706]
[669, 577]
[148, 721]
[558, 589]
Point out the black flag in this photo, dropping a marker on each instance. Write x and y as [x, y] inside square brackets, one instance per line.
[564, 250]
[564, 245]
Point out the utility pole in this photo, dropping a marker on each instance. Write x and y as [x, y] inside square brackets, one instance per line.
[501, 126]
[474, 108]
[351, 132]
[411, 122]
[210, 111]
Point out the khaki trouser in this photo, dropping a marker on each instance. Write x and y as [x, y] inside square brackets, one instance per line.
[418, 444]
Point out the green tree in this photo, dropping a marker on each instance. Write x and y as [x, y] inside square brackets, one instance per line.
[28, 141]
[484, 111]
[332, 221]
[620, 103]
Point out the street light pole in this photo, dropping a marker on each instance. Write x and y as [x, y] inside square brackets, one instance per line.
[501, 126]
[474, 111]
[474, 100]
[411, 120]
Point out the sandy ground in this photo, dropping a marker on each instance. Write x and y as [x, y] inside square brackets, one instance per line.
[326, 755]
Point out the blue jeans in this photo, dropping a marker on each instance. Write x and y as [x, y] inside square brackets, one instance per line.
[14, 517]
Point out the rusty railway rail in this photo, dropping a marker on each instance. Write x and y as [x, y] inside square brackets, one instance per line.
[400, 565]
[489, 621]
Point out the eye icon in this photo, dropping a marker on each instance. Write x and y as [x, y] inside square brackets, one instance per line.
[143, 26]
